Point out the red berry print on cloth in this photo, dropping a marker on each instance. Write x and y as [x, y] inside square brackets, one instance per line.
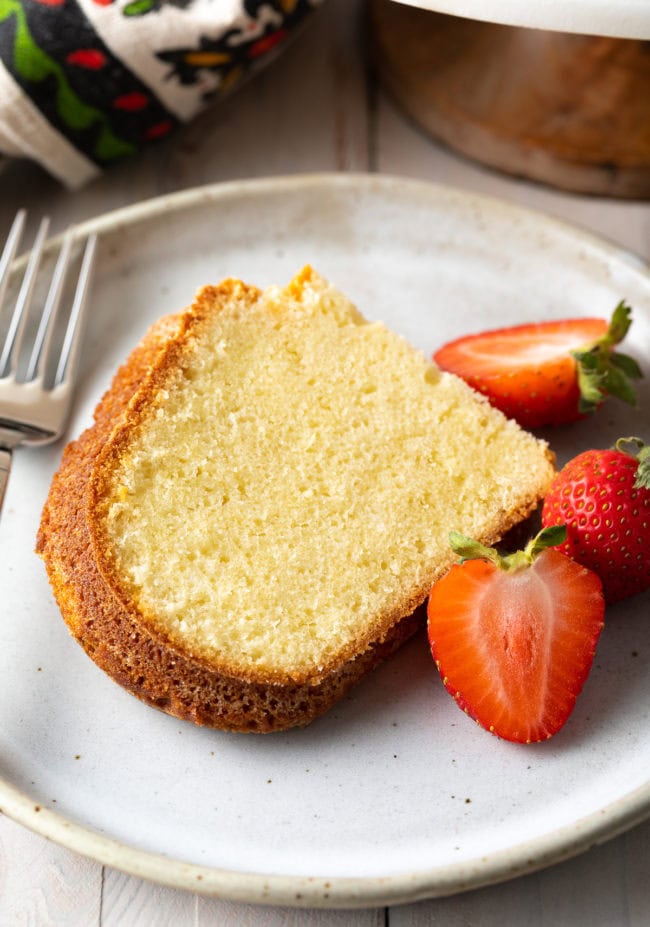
[90, 58]
[158, 130]
[131, 102]
[109, 100]
[261, 27]
[264, 45]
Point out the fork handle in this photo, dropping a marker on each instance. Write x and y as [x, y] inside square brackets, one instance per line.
[5, 470]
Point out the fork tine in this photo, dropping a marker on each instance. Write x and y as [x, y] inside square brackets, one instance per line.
[9, 251]
[46, 324]
[11, 349]
[70, 349]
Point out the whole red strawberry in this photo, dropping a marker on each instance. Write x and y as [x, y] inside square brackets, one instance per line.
[603, 497]
[514, 635]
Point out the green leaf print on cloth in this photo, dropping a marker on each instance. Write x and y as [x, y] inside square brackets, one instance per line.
[34, 65]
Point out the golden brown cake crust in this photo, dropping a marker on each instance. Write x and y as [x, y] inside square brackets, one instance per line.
[109, 627]
[136, 656]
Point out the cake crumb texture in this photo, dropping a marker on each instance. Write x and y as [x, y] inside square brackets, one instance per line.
[264, 500]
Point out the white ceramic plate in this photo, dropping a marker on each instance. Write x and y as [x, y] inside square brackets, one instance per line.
[627, 19]
[394, 795]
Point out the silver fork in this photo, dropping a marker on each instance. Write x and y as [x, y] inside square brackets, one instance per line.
[34, 404]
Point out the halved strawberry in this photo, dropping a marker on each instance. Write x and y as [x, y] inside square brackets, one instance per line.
[549, 373]
[514, 635]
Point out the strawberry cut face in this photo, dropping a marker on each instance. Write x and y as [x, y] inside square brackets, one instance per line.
[546, 373]
[527, 371]
[527, 345]
[515, 648]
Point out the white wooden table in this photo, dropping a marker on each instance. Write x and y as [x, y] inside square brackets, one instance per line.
[317, 108]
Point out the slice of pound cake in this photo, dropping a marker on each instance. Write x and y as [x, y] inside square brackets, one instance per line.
[264, 500]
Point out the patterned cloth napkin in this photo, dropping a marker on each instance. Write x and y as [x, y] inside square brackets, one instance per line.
[84, 83]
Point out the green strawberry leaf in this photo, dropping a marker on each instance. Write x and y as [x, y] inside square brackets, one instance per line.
[619, 324]
[590, 381]
[468, 549]
[627, 364]
[602, 372]
[642, 480]
[547, 537]
[616, 383]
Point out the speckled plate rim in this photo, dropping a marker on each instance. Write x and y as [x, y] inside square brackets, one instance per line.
[626, 19]
[337, 892]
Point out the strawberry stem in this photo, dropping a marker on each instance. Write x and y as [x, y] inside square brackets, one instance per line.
[601, 371]
[642, 455]
[469, 549]
[552, 536]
